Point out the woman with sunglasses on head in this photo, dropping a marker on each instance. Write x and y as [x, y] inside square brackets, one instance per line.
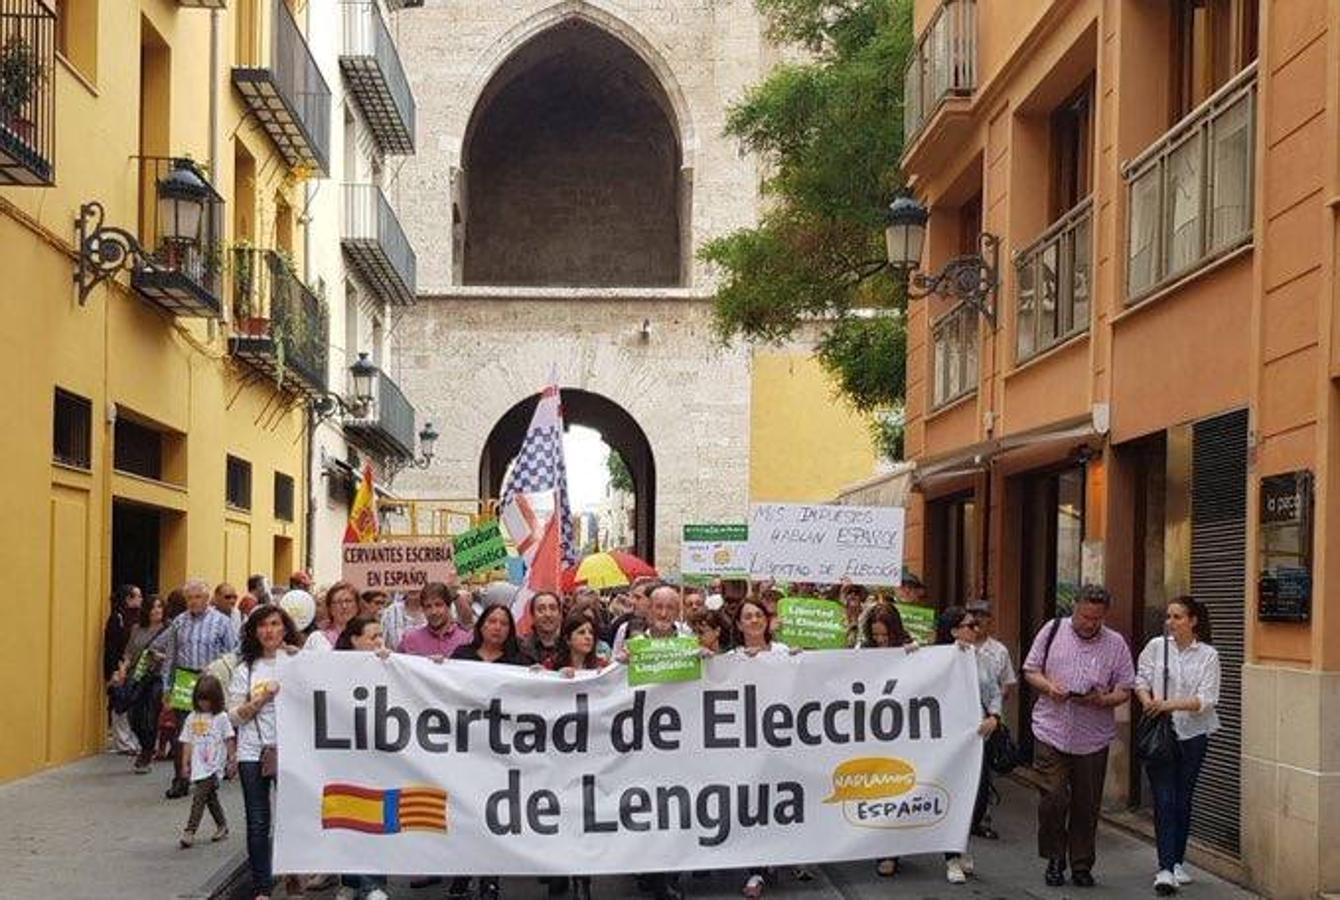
[958, 627]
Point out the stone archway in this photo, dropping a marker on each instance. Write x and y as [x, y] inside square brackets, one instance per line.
[572, 169]
[617, 427]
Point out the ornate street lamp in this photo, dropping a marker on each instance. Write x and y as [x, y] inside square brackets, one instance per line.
[427, 443]
[363, 375]
[972, 278]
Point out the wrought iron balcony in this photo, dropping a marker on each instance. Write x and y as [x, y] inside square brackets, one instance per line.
[204, 4]
[388, 428]
[280, 328]
[282, 84]
[182, 276]
[27, 93]
[371, 64]
[942, 65]
[376, 245]
[1191, 192]
[1054, 281]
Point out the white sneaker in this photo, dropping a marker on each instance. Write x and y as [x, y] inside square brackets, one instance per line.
[346, 893]
[1164, 883]
[954, 871]
[376, 894]
[965, 861]
[1182, 874]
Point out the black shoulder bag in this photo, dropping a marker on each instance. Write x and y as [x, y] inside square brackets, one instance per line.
[1155, 740]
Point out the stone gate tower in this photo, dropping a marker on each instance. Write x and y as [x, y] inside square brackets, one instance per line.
[571, 162]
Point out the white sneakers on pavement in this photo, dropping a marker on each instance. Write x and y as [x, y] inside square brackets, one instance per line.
[966, 862]
[1182, 874]
[1164, 883]
[954, 872]
[377, 894]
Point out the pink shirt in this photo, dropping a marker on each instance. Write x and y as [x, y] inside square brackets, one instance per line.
[423, 641]
[1075, 664]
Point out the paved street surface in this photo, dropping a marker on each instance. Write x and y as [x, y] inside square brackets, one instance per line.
[93, 830]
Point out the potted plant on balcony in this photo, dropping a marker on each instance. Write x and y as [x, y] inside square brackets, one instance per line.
[21, 74]
[245, 319]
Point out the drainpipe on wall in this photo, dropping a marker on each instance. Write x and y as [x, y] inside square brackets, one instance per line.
[309, 419]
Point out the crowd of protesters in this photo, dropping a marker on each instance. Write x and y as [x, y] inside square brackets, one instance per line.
[192, 679]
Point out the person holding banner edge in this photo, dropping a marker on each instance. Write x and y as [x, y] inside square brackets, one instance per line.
[957, 626]
[251, 706]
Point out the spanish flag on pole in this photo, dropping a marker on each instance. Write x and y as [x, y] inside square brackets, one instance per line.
[376, 811]
[363, 525]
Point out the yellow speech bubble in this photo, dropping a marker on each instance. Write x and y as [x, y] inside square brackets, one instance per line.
[871, 778]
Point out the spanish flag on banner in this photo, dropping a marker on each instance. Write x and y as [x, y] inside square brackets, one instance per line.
[374, 811]
[363, 525]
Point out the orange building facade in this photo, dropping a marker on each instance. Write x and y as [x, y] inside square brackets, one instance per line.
[1154, 406]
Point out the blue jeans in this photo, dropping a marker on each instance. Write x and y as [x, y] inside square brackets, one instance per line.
[256, 798]
[1173, 784]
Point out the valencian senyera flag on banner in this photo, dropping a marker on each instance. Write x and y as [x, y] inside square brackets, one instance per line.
[363, 526]
[401, 766]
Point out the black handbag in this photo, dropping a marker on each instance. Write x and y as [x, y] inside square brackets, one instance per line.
[1155, 740]
[1002, 753]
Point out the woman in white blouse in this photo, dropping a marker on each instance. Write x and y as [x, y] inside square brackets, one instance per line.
[1191, 695]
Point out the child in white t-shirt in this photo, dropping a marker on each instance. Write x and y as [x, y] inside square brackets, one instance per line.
[207, 736]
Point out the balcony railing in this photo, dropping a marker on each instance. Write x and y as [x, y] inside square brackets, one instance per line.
[376, 244]
[282, 83]
[280, 327]
[943, 64]
[371, 63]
[27, 93]
[1054, 281]
[1191, 192]
[204, 4]
[953, 356]
[182, 276]
[388, 428]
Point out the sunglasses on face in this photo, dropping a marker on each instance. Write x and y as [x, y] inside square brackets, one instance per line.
[230, 596]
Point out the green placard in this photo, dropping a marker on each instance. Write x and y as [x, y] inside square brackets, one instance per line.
[663, 660]
[812, 623]
[479, 549]
[183, 686]
[716, 532]
[919, 621]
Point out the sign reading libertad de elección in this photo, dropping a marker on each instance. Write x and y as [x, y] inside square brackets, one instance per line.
[402, 766]
[825, 544]
[396, 567]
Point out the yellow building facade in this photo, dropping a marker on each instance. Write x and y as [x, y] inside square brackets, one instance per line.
[158, 429]
[805, 442]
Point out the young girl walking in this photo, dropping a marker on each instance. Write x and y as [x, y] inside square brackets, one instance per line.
[207, 736]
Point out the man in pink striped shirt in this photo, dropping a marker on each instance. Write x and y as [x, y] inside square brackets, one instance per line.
[1082, 671]
[439, 635]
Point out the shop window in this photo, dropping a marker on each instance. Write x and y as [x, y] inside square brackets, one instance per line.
[956, 562]
[954, 344]
[138, 449]
[237, 493]
[283, 497]
[72, 430]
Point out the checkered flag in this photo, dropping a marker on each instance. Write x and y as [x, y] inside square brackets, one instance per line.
[539, 466]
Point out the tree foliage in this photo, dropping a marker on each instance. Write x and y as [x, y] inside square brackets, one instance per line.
[620, 478]
[829, 132]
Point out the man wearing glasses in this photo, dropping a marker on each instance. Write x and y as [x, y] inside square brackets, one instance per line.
[225, 601]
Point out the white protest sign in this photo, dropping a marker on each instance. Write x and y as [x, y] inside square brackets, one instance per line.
[824, 544]
[714, 551]
[403, 766]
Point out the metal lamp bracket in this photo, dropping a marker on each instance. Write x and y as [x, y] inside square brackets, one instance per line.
[104, 250]
[972, 279]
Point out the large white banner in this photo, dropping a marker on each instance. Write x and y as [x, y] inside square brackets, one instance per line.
[826, 543]
[403, 766]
